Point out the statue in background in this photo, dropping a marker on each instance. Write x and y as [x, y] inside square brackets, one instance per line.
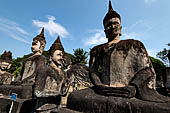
[54, 74]
[34, 62]
[5, 64]
[54, 82]
[59, 74]
[29, 71]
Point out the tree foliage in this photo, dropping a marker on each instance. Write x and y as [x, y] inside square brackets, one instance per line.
[163, 55]
[160, 69]
[79, 56]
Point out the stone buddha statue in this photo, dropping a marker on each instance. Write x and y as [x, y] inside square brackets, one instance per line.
[24, 87]
[122, 75]
[52, 81]
[37, 60]
[126, 69]
[55, 73]
[5, 64]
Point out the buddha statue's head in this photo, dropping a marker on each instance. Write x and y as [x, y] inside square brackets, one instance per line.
[112, 24]
[57, 52]
[39, 43]
[5, 60]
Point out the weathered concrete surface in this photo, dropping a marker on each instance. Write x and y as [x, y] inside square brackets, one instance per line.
[167, 84]
[38, 105]
[87, 101]
[23, 91]
[65, 110]
[19, 105]
[134, 105]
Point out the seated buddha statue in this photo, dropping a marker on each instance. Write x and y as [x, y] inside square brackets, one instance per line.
[24, 87]
[122, 67]
[122, 75]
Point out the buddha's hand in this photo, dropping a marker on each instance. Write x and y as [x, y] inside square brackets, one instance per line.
[16, 82]
[126, 91]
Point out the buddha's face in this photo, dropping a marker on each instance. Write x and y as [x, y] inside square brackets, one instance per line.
[5, 65]
[58, 57]
[35, 46]
[112, 27]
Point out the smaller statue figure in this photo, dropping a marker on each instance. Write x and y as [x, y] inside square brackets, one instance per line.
[60, 73]
[55, 74]
[34, 62]
[54, 81]
[57, 77]
[5, 64]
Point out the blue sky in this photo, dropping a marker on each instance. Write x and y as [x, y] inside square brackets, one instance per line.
[80, 23]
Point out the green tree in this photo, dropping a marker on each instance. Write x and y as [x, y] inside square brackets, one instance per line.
[163, 56]
[79, 56]
[160, 69]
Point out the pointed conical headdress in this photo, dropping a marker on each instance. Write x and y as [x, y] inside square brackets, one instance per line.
[6, 56]
[42, 32]
[41, 35]
[111, 13]
[57, 45]
[41, 38]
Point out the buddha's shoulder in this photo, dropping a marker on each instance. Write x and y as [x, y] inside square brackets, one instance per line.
[36, 58]
[98, 48]
[130, 43]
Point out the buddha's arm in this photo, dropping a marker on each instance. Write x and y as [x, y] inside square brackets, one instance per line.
[93, 67]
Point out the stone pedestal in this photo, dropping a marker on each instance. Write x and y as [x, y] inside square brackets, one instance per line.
[87, 101]
[19, 105]
[22, 91]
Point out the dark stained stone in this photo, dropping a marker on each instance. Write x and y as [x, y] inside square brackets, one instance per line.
[5, 105]
[64, 110]
[23, 91]
[167, 84]
[19, 105]
[133, 105]
[87, 101]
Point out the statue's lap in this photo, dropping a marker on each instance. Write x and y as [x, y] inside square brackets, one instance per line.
[87, 101]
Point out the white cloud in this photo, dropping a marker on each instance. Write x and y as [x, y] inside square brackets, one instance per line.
[151, 52]
[140, 30]
[21, 30]
[96, 37]
[126, 35]
[13, 30]
[19, 38]
[150, 1]
[52, 27]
